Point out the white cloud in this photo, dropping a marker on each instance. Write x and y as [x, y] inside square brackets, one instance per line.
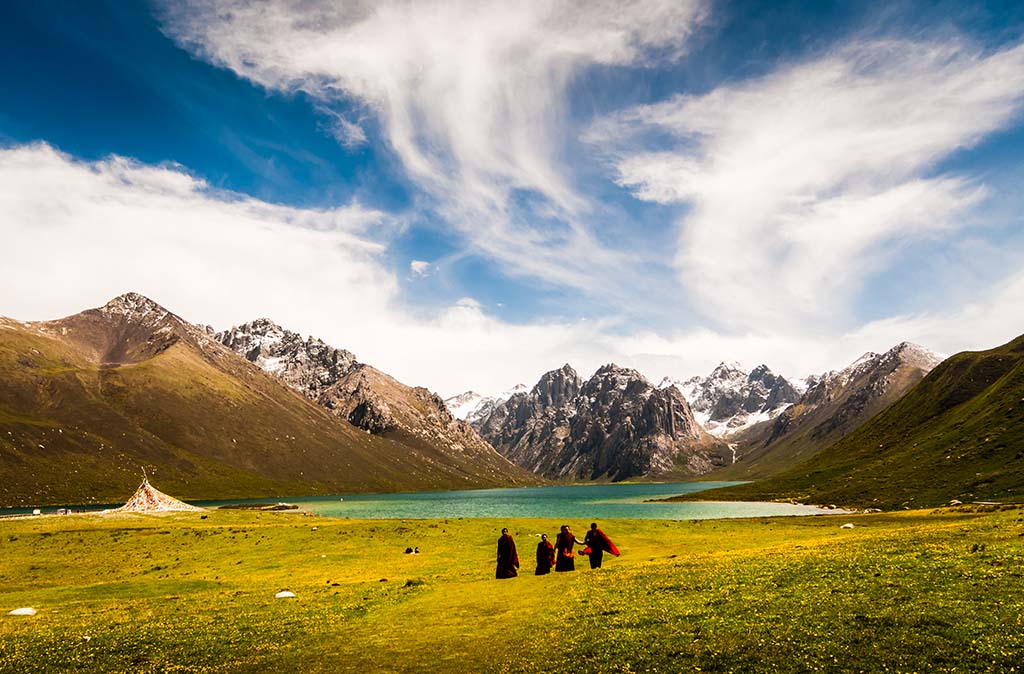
[348, 134]
[78, 233]
[804, 182]
[419, 267]
[470, 95]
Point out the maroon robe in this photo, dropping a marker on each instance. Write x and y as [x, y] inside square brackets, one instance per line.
[564, 555]
[545, 558]
[508, 558]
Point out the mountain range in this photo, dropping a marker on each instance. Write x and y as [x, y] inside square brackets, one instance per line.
[358, 393]
[956, 435]
[91, 400]
[615, 425]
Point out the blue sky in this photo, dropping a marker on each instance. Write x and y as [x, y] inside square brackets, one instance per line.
[468, 194]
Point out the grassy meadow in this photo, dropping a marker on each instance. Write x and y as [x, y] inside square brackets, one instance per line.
[916, 591]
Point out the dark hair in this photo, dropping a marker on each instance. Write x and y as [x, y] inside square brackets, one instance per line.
[504, 531]
[593, 525]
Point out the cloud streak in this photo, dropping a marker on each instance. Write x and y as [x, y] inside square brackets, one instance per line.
[470, 95]
[803, 183]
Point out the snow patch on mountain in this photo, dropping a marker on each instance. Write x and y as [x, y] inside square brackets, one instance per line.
[474, 407]
[731, 399]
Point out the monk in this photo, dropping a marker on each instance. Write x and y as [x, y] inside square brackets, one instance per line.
[598, 544]
[565, 545]
[508, 558]
[545, 556]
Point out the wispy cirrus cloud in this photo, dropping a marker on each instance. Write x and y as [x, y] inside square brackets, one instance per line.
[470, 95]
[802, 183]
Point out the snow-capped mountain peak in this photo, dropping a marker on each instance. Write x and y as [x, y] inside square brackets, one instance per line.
[474, 407]
[730, 399]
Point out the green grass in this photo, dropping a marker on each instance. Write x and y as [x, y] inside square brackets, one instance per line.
[924, 591]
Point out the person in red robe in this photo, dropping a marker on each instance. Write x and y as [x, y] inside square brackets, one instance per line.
[508, 558]
[545, 556]
[597, 544]
[565, 545]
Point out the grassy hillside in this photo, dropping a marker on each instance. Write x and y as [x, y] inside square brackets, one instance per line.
[205, 423]
[809, 426]
[919, 591]
[958, 434]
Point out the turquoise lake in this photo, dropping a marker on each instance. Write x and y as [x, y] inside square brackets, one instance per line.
[582, 502]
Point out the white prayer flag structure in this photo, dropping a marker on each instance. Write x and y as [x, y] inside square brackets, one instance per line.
[149, 499]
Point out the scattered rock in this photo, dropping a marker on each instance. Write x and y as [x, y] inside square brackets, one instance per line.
[956, 502]
[23, 611]
[846, 526]
[285, 594]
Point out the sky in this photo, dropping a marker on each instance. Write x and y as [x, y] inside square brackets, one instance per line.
[469, 194]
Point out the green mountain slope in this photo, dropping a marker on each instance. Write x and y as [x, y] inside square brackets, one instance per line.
[88, 401]
[958, 434]
[833, 407]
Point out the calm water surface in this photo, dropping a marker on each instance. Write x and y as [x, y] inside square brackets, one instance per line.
[602, 501]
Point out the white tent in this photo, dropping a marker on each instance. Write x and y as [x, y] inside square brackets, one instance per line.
[149, 499]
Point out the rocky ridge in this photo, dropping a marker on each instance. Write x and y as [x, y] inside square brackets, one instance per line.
[359, 393]
[615, 425]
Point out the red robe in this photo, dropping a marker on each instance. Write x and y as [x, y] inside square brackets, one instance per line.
[603, 542]
[508, 558]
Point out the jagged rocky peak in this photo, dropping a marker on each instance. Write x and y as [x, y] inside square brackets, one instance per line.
[615, 425]
[308, 366]
[731, 371]
[557, 387]
[614, 377]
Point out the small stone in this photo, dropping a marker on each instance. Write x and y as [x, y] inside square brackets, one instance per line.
[285, 594]
[27, 610]
[846, 526]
